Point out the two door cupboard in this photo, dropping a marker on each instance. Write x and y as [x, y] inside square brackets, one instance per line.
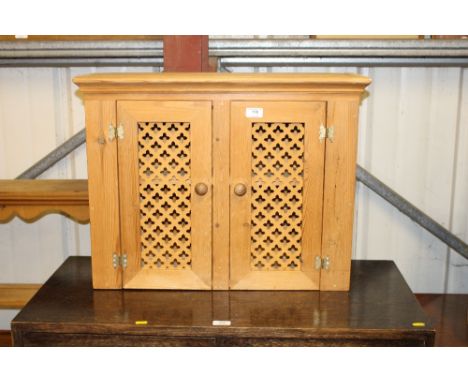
[221, 181]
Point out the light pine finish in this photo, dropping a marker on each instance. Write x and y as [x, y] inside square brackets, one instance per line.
[103, 193]
[31, 190]
[31, 199]
[277, 156]
[309, 160]
[118, 83]
[164, 191]
[32, 213]
[15, 296]
[221, 193]
[221, 223]
[338, 204]
[196, 150]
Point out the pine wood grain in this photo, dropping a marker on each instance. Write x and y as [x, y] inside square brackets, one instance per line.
[15, 296]
[103, 193]
[31, 199]
[338, 204]
[221, 193]
[243, 275]
[228, 247]
[240, 174]
[198, 115]
[36, 191]
[223, 82]
[31, 213]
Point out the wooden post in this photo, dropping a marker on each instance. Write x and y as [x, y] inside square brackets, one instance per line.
[186, 54]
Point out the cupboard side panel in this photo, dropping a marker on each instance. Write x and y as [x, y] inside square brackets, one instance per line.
[338, 204]
[103, 194]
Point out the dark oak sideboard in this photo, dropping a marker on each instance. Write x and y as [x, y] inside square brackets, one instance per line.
[379, 310]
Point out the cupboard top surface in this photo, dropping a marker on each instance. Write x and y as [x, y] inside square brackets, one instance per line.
[379, 299]
[224, 82]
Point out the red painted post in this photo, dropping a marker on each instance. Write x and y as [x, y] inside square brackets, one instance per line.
[186, 54]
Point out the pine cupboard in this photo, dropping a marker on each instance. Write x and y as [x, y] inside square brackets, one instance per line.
[221, 181]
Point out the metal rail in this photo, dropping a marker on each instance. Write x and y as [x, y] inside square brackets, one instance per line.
[411, 211]
[325, 61]
[362, 175]
[242, 52]
[356, 48]
[232, 53]
[81, 53]
[54, 156]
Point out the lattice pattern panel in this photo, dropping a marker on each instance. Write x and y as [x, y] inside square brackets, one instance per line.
[165, 196]
[277, 188]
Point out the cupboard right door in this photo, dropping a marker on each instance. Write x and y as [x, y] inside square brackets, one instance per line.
[276, 194]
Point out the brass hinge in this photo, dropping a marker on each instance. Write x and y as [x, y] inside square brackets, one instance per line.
[115, 132]
[326, 132]
[318, 262]
[326, 263]
[119, 260]
[322, 263]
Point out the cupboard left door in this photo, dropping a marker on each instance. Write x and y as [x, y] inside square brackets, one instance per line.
[165, 189]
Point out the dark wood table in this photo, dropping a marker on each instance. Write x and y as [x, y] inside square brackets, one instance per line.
[380, 309]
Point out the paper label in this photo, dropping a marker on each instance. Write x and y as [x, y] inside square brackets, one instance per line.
[221, 323]
[254, 112]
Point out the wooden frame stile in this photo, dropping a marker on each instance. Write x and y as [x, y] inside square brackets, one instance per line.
[103, 192]
[339, 188]
[221, 195]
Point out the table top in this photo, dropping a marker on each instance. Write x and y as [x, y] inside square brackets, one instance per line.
[379, 300]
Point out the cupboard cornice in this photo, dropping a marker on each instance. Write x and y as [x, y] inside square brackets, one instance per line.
[323, 83]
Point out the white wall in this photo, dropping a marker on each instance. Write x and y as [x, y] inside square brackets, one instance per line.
[413, 136]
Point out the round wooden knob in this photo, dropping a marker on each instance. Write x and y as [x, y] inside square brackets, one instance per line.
[201, 189]
[240, 189]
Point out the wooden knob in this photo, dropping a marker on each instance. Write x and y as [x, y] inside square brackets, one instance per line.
[201, 189]
[240, 189]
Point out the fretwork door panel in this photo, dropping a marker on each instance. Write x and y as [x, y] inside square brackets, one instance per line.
[277, 169]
